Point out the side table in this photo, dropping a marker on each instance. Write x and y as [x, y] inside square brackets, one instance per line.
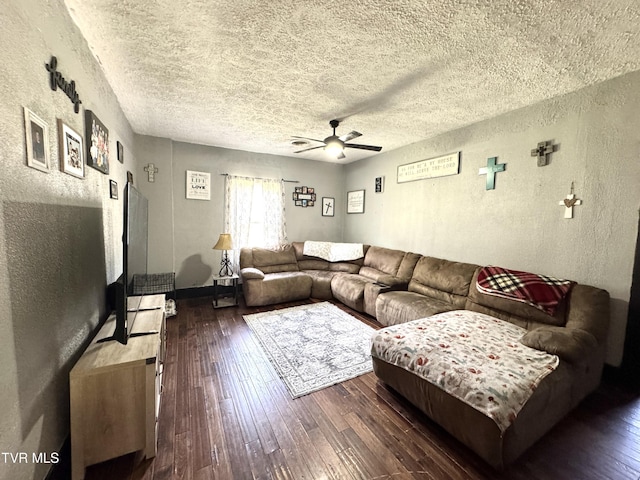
[225, 301]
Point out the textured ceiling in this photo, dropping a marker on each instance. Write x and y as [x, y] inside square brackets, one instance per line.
[250, 74]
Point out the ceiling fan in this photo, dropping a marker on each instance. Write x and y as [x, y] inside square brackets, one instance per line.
[335, 145]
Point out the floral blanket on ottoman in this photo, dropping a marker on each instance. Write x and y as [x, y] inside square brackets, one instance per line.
[472, 356]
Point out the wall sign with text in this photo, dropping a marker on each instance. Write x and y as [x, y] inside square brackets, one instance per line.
[198, 185]
[433, 167]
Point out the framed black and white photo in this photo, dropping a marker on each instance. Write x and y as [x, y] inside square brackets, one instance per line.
[355, 201]
[37, 136]
[328, 206]
[71, 150]
[113, 189]
[120, 150]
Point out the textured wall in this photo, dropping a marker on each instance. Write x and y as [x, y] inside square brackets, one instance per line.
[520, 224]
[197, 223]
[59, 235]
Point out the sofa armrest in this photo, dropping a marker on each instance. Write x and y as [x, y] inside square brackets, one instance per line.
[571, 344]
[250, 272]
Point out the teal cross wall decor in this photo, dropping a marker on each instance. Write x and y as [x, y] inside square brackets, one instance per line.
[490, 171]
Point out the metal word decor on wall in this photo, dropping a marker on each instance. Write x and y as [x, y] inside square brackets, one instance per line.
[57, 80]
[304, 196]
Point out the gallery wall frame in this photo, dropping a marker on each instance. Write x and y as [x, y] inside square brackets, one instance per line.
[97, 137]
[113, 189]
[328, 206]
[37, 141]
[71, 149]
[355, 201]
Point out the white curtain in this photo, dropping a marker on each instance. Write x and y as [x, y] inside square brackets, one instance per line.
[254, 213]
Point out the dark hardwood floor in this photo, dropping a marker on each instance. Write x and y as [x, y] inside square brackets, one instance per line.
[225, 414]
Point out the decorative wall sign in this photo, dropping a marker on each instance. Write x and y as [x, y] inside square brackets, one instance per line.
[569, 202]
[57, 80]
[97, 137]
[151, 170]
[433, 167]
[198, 185]
[355, 201]
[490, 171]
[304, 196]
[328, 206]
[113, 189]
[37, 135]
[542, 151]
[379, 186]
[71, 150]
[120, 151]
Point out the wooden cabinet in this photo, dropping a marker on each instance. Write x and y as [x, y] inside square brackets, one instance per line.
[115, 389]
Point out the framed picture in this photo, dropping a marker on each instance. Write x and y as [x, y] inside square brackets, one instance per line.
[198, 185]
[37, 136]
[97, 137]
[113, 189]
[328, 206]
[120, 149]
[355, 201]
[71, 150]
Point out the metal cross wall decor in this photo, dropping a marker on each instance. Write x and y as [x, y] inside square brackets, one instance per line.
[490, 171]
[151, 170]
[542, 151]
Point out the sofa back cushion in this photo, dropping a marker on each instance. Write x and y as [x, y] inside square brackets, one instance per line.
[443, 280]
[276, 260]
[379, 259]
[306, 262]
[513, 311]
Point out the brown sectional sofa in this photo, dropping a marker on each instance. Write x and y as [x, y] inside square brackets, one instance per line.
[397, 287]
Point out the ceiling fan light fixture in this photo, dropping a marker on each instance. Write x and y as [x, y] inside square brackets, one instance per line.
[334, 147]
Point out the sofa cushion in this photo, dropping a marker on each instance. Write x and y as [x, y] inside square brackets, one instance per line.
[313, 264]
[442, 279]
[270, 261]
[383, 259]
[572, 345]
[393, 308]
[321, 286]
[349, 289]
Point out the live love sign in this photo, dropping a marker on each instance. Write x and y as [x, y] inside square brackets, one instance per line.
[57, 80]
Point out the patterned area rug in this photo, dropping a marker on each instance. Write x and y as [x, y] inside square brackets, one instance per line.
[313, 346]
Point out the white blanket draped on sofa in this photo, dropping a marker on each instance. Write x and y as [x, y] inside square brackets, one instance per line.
[334, 252]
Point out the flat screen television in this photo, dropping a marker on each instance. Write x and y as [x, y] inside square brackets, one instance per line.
[135, 228]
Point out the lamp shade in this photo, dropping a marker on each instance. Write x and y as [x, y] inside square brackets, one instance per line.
[224, 242]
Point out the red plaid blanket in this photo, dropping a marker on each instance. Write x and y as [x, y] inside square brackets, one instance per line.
[540, 291]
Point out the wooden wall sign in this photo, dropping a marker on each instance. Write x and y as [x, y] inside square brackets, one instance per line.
[57, 80]
[433, 167]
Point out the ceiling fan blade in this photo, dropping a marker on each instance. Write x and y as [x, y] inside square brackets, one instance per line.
[350, 136]
[311, 148]
[363, 147]
[307, 138]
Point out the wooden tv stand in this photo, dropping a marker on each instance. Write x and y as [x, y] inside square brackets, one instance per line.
[115, 390]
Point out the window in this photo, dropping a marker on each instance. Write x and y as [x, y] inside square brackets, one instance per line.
[254, 213]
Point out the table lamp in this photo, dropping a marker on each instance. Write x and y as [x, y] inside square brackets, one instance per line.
[224, 243]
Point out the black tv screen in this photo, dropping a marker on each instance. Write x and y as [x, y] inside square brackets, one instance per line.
[134, 258]
[136, 235]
